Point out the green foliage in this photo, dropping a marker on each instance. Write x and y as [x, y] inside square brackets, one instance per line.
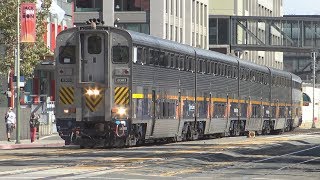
[30, 53]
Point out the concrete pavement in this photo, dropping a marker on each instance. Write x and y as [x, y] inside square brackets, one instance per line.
[47, 141]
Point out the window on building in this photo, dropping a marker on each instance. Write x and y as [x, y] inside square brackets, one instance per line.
[201, 14]
[181, 8]
[213, 31]
[138, 27]
[167, 5]
[132, 5]
[197, 13]
[172, 6]
[193, 10]
[171, 30]
[193, 44]
[177, 5]
[167, 31]
[223, 31]
[197, 40]
[87, 5]
[176, 33]
[181, 36]
[205, 16]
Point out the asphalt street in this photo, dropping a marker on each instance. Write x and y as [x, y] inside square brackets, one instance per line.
[287, 156]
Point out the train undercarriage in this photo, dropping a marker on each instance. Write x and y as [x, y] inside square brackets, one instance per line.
[114, 134]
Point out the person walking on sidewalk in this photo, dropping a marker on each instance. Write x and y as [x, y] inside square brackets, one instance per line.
[10, 120]
[34, 124]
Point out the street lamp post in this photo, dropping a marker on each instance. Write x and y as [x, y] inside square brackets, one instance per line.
[18, 75]
[314, 55]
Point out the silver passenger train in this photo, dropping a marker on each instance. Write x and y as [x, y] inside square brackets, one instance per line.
[119, 88]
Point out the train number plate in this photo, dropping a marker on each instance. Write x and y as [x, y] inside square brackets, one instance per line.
[66, 80]
[121, 80]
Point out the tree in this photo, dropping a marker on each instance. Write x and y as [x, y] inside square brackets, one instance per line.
[31, 53]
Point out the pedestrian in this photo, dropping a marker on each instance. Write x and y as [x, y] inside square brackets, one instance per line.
[34, 123]
[10, 120]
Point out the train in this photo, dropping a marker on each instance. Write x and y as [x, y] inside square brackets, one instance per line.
[120, 88]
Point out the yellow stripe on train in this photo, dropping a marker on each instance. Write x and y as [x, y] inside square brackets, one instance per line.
[66, 95]
[121, 95]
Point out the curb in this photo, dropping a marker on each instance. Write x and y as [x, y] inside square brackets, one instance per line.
[29, 146]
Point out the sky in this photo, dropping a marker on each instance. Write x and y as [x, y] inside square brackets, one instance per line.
[301, 7]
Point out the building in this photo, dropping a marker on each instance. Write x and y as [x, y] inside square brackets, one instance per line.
[184, 21]
[219, 27]
[300, 62]
[307, 109]
[42, 86]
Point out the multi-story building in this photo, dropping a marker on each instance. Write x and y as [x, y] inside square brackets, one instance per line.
[184, 21]
[219, 26]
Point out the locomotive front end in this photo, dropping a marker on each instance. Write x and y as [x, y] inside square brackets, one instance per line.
[93, 86]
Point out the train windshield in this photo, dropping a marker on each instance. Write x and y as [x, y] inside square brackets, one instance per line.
[120, 54]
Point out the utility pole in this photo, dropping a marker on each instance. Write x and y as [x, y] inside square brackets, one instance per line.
[18, 75]
[314, 55]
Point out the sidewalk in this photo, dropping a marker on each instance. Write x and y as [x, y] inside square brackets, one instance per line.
[47, 141]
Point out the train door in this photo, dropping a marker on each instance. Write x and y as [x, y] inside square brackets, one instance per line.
[92, 75]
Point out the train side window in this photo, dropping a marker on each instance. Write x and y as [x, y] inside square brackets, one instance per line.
[177, 61]
[167, 59]
[243, 74]
[213, 67]
[95, 44]
[67, 55]
[139, 55]
[144, 56]
[172, 60]
[120, 54]
[235, 72]
[208, 67]
[162, 61]
[156, 56]
[193, 65]
[216, 69]
[181, 65]
[203, 66]
[151, 57]
[186, 64]
[222, 70]
[228, 71]
[198, 65]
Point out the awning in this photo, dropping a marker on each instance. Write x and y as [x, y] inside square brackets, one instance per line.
[306, 98]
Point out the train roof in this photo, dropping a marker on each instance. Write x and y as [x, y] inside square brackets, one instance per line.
[140, 38]
[216, 55]
[280, 73]
[250, 65]
[156, 42]
[296, 78]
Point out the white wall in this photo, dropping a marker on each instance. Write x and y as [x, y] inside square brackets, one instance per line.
[307, 111]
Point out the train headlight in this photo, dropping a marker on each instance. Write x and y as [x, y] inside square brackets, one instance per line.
[93, 92]
[69, 110]
[121, 111]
